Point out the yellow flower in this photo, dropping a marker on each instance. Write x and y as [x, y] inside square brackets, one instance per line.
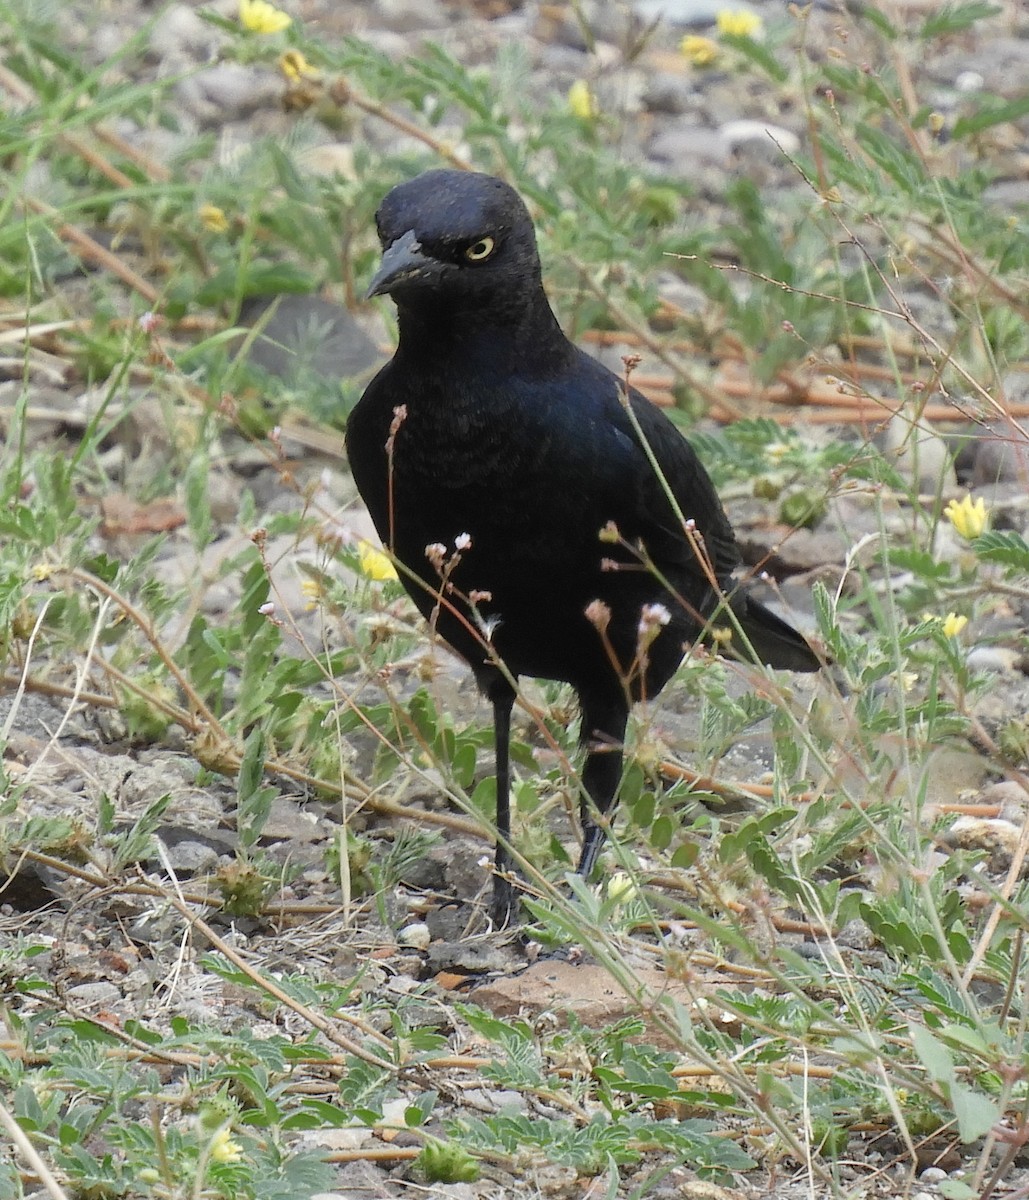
[223, 1148]
[701, 51]
[295, 67]
[258, 16]
[213, 218]
[620, 888]
[42, 571]
[313, 593]
[581, 101]
[737, 22]
[374, 563]
[969, 517]
[953, 624]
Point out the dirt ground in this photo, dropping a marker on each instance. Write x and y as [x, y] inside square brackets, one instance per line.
[134, 954]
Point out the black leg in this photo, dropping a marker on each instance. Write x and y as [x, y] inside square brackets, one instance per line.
[603, 732]
[504, 902]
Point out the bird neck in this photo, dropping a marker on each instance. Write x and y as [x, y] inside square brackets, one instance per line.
[498, 331]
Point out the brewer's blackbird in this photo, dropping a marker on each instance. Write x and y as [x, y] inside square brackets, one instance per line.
[506, 471]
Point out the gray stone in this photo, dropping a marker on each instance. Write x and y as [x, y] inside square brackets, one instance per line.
[1007, 194]
[1001, 460]
[992, 658]
[668, 93]
[95, 995]
[229, 92]
[1012, 798]
[305, 335]
[410, 16]
[932, 1175]
[684, 13]
[919, 454]
[684, 148]
[181, 33]
[748, 136]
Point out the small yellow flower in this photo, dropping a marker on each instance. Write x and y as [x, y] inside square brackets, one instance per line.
[296, 67]
[42, 572]
[953, 624]
[701, 51]
[213, 218]
[258, 16]
[969, 517]
[621, 889]
[581, 101]
[739, 22]
[313, 592]
[223, 1148]
[373, 563]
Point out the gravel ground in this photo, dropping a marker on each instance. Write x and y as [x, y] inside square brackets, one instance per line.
[119, 960]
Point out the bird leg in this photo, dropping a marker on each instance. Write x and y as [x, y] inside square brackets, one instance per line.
[603, 732]
[502, 697]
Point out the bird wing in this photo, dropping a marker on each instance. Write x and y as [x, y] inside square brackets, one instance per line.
[635, 496]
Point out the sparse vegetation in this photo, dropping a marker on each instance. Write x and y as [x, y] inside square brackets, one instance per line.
[836, 968]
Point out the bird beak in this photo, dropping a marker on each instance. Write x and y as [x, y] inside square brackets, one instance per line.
[402, 262]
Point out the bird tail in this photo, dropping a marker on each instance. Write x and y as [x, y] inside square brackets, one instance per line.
[771, 640]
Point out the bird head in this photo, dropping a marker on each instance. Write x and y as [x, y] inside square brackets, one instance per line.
[456, 238]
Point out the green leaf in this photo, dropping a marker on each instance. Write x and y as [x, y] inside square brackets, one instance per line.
[976, 1113]
[968, 1039]
[953, 18]
[902, 167]
[759, 55]
[447, 1162]
[317, 1114]
[198, 507]
[240, 281]
[991, 113]
[491, 1028]
[933, 1054]
[955, 1189]
[1003, 546]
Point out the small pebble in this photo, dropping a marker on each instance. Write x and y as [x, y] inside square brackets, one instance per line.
[99, 995]
[933, 1175]
[416, 935]
[764, 133]
[992, 658]
[970, 81]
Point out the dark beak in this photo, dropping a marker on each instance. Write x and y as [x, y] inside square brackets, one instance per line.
[403, 262]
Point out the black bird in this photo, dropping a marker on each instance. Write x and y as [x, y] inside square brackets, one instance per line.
[491, 453]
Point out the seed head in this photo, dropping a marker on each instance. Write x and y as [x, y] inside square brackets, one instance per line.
[598, 614]
[652, 616]
[610, 533]
[436, 553]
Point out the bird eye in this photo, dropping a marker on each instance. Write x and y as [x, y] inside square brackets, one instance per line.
[481, 250]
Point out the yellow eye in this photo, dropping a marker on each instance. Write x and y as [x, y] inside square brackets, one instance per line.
[481, 250]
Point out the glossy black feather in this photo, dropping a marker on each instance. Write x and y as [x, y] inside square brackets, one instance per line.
[515, 437]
